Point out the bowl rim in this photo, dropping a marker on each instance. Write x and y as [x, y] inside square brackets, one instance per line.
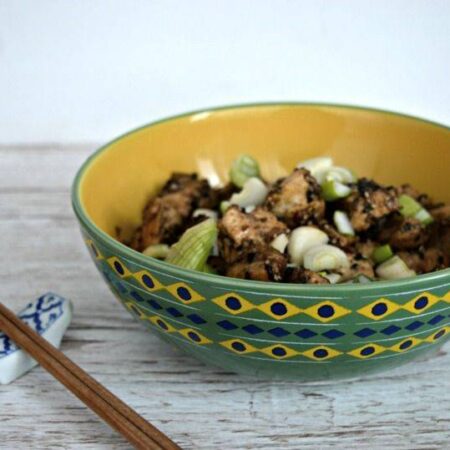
[271, 287]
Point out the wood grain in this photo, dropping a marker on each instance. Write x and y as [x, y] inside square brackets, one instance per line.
[118, 415]
[197, 406]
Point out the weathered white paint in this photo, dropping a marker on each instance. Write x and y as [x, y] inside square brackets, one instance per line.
[198, 406]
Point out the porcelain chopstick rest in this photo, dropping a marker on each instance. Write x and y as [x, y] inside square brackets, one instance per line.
[50, 315]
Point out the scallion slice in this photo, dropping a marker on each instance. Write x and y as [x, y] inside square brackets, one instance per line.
[393, 269]
[382, 253]
[317, 166]
[333, 278]
[194, 246]
[412, 208]
[280, 242]
[424, 216]
[408, 206]
[159, 251]
[343, 224]
[301, 240]
[210, 213]
[224, 205]
[334, 190]
[243, 168]
[253, 193]
[341, 174]
[325, 257]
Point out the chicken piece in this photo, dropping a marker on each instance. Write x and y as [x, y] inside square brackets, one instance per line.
[241, 233]
[382, 231]
[410, 234]
[365, 248]
[444, 241]
[423, 199]
[304, 276]
[435, 254]
[413, 259]
[218, 264]
[267, 265]
[199, 190]
[368, 203]
[440, 235]
[225, 192]
[336, 238]
[165, 216]
[358, 266]
[296, 199]
[441, 213]
[434, 259]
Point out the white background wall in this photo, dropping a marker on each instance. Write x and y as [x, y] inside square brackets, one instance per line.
[89, 70]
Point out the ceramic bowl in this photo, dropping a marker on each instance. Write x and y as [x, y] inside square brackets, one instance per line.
[294, 331]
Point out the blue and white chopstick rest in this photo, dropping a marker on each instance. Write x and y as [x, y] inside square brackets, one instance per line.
[50, 316]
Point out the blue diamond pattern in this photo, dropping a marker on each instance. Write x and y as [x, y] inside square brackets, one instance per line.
[278, 332]
[333, 334]
[252, 329]
[365, 332]
[390, 330]
[154, 304]
[174, 312]
[136, 296]
[196, 319]
[436, 319]
[226, 325]
[414, 325]
[121, 287]
[305, 334]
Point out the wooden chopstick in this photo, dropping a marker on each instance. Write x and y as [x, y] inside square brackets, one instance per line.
[140, 433]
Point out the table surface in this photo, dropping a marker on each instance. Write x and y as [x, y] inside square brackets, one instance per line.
[197, 406]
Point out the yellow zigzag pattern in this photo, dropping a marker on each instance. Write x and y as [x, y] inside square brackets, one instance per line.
[188, 333]
[280, 351]
[277, 308]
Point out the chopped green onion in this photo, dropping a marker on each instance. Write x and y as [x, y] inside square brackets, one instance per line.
[411, 208]
[325, 257]
[253, 193]
[333, 278]
[204, 212]
[302, 239]
[317, 166]
[159, 251]
[382, 253]
[334, 190]
[341, 174]
[424, 216]
[194, 246]
[243, 168]
[224, 205]
[280, 242]
[408, 206]
[393, 269]
[343, 224]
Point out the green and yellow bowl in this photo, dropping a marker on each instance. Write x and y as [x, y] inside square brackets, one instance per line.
[294, 331]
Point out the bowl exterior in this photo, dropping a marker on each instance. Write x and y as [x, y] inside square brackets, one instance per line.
[297, 335]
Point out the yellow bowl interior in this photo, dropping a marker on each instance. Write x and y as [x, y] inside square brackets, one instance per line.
[393, 149]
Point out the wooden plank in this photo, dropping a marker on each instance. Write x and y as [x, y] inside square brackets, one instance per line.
[198, 406]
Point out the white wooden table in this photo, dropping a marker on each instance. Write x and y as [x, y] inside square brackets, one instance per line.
[197, 406]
